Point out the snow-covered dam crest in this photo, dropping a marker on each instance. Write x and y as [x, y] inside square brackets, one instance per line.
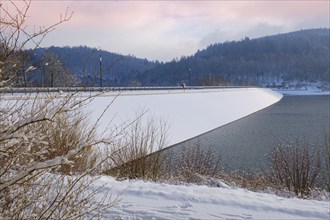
[186, 113]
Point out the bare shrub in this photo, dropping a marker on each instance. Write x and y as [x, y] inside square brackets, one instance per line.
[137, 156]
[295, 166]
[194, 164]
[40, 140]
[54, 196]
[14, 36]
[141, 157]
[326, 166]
[42, 137]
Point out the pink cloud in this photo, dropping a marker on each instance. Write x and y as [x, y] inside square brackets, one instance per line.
[179, 26]
[135, 14]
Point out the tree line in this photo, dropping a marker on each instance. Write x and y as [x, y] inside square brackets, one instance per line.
[301, 56]
[283, 58]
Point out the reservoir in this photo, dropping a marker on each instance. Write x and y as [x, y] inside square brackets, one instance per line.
[244, 143]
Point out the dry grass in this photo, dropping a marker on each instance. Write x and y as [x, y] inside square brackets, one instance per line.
[195, 164]
[294, 169]
[326, 164]
[46, 161]
[253, 181]
[131, 157]
[66, 133]
[135, 160]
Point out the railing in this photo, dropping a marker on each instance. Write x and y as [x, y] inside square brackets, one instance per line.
[107, 89]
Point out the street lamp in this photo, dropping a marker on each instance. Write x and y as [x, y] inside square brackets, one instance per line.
[101, 83]
[52, 71]
[189, 77]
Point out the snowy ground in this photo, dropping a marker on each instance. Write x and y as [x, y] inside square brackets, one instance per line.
[145, 200]
[190, 113]
[187, 113]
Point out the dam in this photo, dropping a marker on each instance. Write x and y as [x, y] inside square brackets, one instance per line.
[187, 113]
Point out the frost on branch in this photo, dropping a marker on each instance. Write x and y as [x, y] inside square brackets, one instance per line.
[46, 149]
[46, 159]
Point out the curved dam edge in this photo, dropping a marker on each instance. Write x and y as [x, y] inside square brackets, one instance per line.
[196, 138]
[186, 113]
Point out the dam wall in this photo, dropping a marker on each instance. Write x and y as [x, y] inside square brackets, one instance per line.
[185, 113]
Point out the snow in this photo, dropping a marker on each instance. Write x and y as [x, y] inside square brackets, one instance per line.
[190, 113]
[187, 113]
[303, 92]
[146, 200]
[305, 88]
[30, 68]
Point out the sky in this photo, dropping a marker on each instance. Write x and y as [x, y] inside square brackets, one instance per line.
[164, 30]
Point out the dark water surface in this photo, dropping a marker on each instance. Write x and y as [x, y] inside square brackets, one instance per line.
[244, 143]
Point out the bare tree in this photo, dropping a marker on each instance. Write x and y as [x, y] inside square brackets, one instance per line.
[54, 73]
[14, 37]
[46, 159]
[46, 149]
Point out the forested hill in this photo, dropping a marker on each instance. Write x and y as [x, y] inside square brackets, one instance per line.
[84, 63]
[283, 58]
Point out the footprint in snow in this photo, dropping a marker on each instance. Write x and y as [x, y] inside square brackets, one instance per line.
[185, 205]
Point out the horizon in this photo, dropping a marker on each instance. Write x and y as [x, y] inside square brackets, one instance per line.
[166, 30]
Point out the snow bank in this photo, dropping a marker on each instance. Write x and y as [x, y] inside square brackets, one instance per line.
[145, 200]
[187, 113]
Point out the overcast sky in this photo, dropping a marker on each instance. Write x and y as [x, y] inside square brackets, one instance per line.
[163, 30]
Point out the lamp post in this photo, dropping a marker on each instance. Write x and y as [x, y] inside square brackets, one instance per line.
[189, 77]
[101, 83]
[42, 75]
[52, 66]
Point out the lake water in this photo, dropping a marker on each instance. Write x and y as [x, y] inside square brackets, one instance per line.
[244, 143]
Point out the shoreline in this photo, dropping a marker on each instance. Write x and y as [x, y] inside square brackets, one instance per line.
[302, 92]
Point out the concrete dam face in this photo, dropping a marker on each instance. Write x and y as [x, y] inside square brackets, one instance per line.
[184, 113]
